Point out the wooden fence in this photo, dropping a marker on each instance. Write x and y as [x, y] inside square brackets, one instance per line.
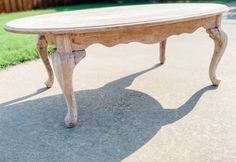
[20, 5]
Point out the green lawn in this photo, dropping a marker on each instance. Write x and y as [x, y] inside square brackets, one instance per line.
[17, 48]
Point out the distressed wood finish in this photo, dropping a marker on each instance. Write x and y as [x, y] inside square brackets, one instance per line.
[113, 18]
[42, 46]
[154, 25]
[64, 61]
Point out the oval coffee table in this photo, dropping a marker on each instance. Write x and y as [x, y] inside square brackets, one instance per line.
[73, 32]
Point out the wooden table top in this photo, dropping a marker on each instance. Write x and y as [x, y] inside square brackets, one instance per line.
[114, 17]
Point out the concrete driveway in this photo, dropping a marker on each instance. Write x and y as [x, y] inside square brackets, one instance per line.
[130, 108]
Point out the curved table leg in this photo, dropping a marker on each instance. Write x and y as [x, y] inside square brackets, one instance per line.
[43, 52]
[64, 64]
[220, 40]
[162, 52]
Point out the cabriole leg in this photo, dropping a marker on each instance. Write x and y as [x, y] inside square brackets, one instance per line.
[220, 40]
[43, 52]
[64, 61]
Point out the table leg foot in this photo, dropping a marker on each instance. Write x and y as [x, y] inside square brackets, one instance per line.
[43, 52]
[162, 52]
[64, 64]
[220, 40]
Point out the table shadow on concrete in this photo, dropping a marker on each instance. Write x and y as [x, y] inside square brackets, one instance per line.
[114, 122]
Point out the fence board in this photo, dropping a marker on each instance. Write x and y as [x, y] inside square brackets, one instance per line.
[2, 8]
[30, 4]
[24, 3]
[7, 5]
[19, 5]
[40, 4]
[35, 3]
[13, 5]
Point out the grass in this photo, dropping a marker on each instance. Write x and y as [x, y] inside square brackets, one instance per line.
[17, 48]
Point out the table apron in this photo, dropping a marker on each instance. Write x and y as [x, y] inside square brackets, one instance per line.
[143, 34]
